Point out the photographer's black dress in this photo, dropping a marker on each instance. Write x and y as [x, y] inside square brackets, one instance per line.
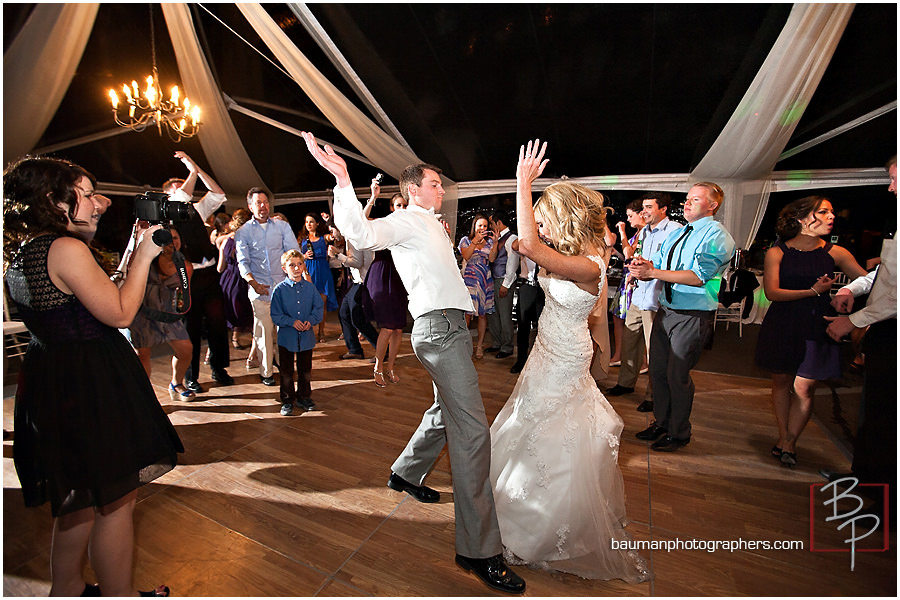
[88, 426]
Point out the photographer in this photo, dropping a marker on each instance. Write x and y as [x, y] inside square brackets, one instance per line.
[153, 324]
[207, 299]
[89, 430]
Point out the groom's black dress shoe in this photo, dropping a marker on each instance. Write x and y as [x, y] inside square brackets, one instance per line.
[494, 572]
[651, 433]
[419, 492]
[619, 390]
[669, 444]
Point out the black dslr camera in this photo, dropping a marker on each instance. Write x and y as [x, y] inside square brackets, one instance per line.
[156, 207]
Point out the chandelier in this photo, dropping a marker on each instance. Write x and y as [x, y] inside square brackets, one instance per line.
[177, 116]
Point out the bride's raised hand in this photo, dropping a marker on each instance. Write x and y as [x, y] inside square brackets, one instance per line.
[531, 161]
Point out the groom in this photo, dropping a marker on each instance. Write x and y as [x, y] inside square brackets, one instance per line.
[438, 301]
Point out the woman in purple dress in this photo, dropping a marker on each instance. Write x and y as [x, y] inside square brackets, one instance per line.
[238, 311]
[385, 302]
[478, 250]
[792, 344]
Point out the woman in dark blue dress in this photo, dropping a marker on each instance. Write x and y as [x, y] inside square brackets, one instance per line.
[314, 245]
[792, 344]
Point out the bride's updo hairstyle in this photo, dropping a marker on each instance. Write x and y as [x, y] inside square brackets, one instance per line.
[575, 216]
[788, 225]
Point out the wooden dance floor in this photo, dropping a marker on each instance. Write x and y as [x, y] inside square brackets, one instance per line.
[265, 505]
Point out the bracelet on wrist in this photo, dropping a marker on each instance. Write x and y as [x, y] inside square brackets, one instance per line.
[815, 292]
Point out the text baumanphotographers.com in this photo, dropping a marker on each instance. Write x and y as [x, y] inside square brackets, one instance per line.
[706, 545]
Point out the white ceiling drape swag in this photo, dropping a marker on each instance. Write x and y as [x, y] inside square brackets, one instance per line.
[37, 70]
[743, 156]
[229, 162]
[365, 135]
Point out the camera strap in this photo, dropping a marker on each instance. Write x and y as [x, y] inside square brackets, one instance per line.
[183, 292]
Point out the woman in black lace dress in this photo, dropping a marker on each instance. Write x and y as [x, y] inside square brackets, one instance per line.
[90, 434]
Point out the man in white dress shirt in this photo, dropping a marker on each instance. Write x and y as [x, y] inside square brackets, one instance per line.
[875, 451]
[438, 300]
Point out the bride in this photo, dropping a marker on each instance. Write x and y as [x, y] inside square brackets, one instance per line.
[557, 487]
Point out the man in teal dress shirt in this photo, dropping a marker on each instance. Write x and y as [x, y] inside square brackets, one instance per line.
[687, 262]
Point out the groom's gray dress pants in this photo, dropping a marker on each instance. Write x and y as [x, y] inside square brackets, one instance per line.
[442, 343]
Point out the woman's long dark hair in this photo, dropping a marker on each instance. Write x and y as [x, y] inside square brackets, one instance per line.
[320, 226]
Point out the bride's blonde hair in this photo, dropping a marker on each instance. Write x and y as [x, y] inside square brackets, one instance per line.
[575, 216]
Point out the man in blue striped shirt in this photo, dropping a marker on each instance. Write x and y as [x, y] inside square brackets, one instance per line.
[687, 262]
[644, 299]
[260, 242]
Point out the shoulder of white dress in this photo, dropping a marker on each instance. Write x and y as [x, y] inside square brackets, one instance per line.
[600, 260]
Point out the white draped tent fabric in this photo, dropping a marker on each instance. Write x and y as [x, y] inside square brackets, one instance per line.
[42, 59]
[228, 159]
[743, 156]
[371, 141]
[37, 69]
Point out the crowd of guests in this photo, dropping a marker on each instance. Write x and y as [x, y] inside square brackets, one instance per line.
[223, 275]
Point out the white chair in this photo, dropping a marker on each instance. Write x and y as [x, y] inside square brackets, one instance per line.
[840, 280]
[15, 335]
[731, 314]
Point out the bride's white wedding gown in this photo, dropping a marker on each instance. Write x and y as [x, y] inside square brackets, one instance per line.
[557, 486]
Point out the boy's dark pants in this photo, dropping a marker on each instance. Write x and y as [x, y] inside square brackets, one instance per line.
[304, 374]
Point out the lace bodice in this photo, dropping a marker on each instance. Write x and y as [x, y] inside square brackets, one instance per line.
[50, 314]
[563, 338]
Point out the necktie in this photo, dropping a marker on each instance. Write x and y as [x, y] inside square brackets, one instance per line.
[667, 285]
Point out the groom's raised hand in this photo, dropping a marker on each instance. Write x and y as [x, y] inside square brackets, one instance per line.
[328, 158]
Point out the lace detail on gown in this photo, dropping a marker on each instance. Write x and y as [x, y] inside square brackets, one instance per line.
[559, 494]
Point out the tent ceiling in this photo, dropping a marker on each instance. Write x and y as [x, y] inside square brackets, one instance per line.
[615, 88]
